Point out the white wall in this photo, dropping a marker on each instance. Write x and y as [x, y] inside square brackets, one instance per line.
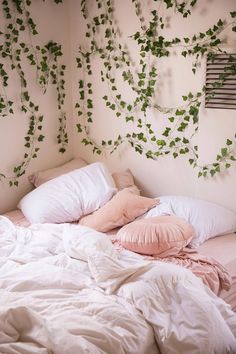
[165, 176]
[52, 22]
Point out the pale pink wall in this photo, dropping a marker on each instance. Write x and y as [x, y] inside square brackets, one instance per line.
[52, 21]
[65, 24]
[166, 176]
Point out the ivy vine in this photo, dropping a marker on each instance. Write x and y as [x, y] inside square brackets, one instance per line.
[14, 50]
[181, 123]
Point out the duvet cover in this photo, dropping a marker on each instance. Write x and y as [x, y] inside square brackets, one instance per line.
[62, 292]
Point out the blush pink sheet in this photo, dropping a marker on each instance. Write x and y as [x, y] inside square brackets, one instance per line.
[213, 274]
[223, 249]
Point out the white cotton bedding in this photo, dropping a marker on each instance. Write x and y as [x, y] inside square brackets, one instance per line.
[221, 248]
[53, 302]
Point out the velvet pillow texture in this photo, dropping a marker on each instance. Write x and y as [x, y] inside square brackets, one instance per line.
[162, 235]
[123, 179]
[208, 219]
[40, 177]
[67, 197]
[123, 208]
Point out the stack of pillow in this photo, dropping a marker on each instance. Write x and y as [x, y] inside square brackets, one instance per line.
[89, 194]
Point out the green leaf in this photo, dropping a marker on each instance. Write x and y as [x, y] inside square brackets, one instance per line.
[224, 152]
[233, 14]
[175, 155]
[41, 137]
[129, 107]
[212, 172]
[79, 128]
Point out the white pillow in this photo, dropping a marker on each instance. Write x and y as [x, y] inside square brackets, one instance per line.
[208, 219]
[67, 197]
[160, 209]
[81, 242]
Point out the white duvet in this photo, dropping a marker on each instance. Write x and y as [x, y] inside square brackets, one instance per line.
[65, 289]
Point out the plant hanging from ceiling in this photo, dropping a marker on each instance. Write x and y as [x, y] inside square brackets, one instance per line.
[16, 51]
[181, 123]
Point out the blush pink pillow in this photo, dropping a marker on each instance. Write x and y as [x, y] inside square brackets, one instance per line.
[123, 179]
[40, 177]
[123, 208]
[161, 235]
[17, 218]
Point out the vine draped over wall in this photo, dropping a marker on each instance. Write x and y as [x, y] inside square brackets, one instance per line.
[14, 52]
[181, 123]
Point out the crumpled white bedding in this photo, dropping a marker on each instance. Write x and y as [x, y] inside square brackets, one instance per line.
[51, 301]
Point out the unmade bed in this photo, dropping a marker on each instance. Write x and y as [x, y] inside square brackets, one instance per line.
[221, 248]
[52, 301]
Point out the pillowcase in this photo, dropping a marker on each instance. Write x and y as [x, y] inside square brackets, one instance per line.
[208, 219]
[66, 198]
[41, 177]
[123, 208]
[162, 235]
[17, 218]
[123, 179]
[159, 210]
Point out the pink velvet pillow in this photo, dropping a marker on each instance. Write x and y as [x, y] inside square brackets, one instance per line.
[161, 235]
[123, 208]
[40, 177]
[123, 179]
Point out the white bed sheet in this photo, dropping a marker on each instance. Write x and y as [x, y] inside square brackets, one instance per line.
[51, 301]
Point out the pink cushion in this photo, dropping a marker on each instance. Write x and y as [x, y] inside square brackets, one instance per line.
[124, 207]
[17, 217]
[123, 179]
[160, 235]
[40, 177]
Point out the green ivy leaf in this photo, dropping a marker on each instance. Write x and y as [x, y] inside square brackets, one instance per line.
[224, 152]
[41, 138]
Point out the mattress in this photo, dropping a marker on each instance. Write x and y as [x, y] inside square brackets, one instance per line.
[221, 248]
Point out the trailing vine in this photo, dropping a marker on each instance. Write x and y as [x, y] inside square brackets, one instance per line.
[14, 51]
[181, 123]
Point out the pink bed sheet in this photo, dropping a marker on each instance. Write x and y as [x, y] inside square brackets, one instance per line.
[221, 248]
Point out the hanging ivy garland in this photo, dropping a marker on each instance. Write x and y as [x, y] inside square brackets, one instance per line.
[13, 51]
[181, 123]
